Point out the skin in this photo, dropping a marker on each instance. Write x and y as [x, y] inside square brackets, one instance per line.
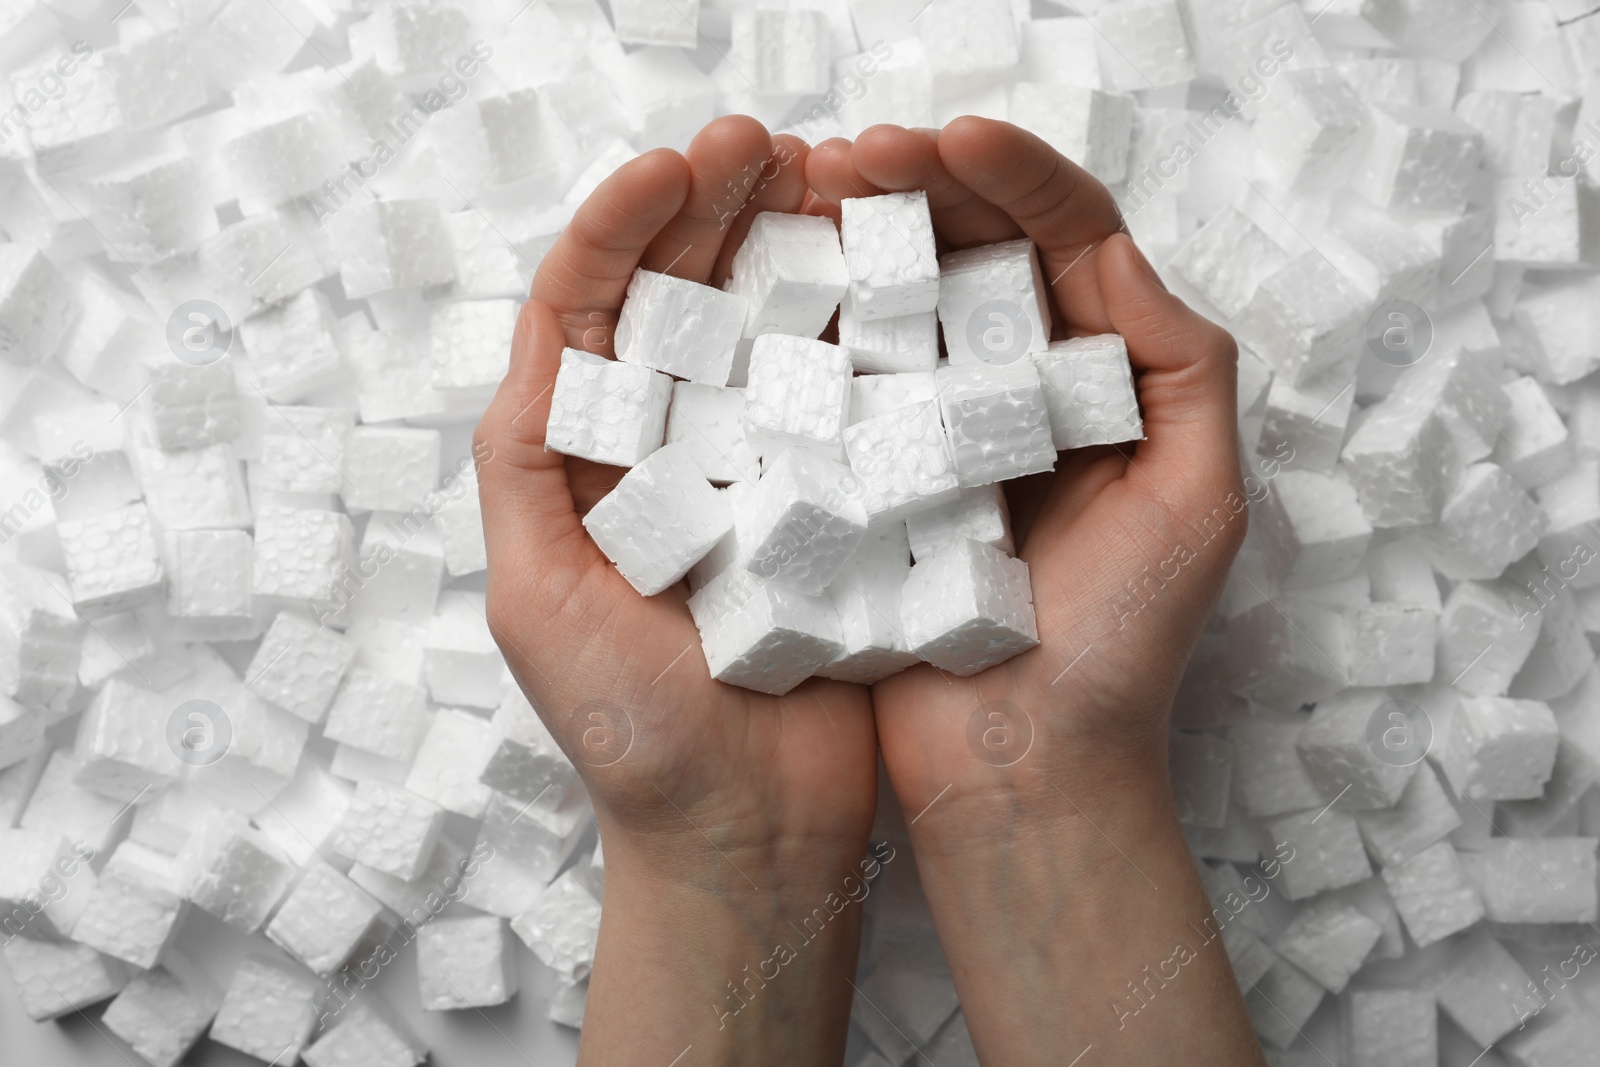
[728, 816]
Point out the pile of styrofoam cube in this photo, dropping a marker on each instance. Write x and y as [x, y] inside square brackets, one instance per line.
[801, 565]
[256, 742]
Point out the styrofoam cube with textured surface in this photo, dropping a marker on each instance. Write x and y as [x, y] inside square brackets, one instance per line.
[459, 521]
[280, 159]
[798, 394]
[979, 513]
[453, 756]
[322, 919]
[130, 914]
[1533, 445]
[1486, 634]
[121, 747]
[1329, 941]
[460, 661]
[499, 138]
[41, 638]
[1486, 523]
[465, 963]
[44, 882]
[1288, 655]
[784, 51]
[1571, 506]
[643, 22]
[389, 829]
[390, 468]
[163, 1012]
[1327, 851]
[1392, 1028]
[680, 327]
[1305, 427]
[888, 247]
[1401, 461]
[898, 345]
[1391, 644]
[1416, 159]
[1422, 815]
[112, 560]
[469, 343]
[294, 347]
[1226, 259]
[1312, 528]
[904, 461]
[1552, 322]
[298, 665]
[997, 420]
[392, 244]
[1309, 314]
[993, 303]
[1433, 894]
[366, 1035]
[709, 421]
[1565, 1037]
[1270, 778]
[1476, 992]
[1309, 130]
[521, 853]
[866, 598]
[190, 405]
[761, 634]
[1089, 391]
[1534, 879]
[209, 577]
[1090, 127]
[968, 608]
[801, 521]
[378, 713]
[302, 449]
[61, 805]
[56, 978]
[268, 1010]
[1499, 749]
[192, 489]
[527, 764]
[1338, 755]
[37, 305]
[791, 272]
[562, 924]
[1282, 1002]
[661, 518]
[607, 410]
[235, 871]
[301, 555]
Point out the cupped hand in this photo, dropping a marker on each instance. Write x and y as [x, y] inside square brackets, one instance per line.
[691, 779]
[1127, 545]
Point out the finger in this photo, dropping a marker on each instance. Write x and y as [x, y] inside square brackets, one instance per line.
[1056, 202]
[526, 502]
[584, 276]
[832, 174]
[1186, 368]
[782, 188]
[896, 159]
[726, 160]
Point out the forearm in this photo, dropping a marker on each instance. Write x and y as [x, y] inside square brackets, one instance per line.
[741, 975]
[1074, 919]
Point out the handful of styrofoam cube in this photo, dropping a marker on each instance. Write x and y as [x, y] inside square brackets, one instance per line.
[839, 464]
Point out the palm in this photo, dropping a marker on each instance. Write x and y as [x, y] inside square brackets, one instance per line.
[1088, 530]
[620, 678]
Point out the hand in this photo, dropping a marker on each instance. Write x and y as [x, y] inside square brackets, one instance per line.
[725, 813]
[1066, 815]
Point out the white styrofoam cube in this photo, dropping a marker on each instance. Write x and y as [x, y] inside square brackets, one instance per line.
[661, 518]
[235, 872]
[1226, 259]
[1329, 941]
[562, 924]
[56, 978]
[391, 244]
[709, 421]
[1309, 129]
[1499, 749]
[979, 513]
[1336, 752]
[1476, 991]
[761, 634]
[131, 918]
[643, 22]
[465, 963]
[791, 271]
[680, 327]
[798, 394]
[899, 345]
[469, 344]
[1416, 159]
[269, 1009]
[122, 748]
[1401, 462]
[802, 521]
[968, 608]
[60, 805]
[1432, 894]
[1089, 391]
[904, 461]
[1533, 445]
[379, 714]
[388, 829]
[209, 575]
[1288, 655]
[390, 468]
[607, 410]
[997, 420]
[1534, 880]
[294, 347]
[322, 919]
[1485, 524]
[1310, 315]
[112, 560]
[163, 1012]
[301, 555]
[866, 598]
[45, 882]
[993, 303]
[1393, 1028]
[888, 247]
[366, 1034]
[1088, 126]
[41, 638]
[37, 305]
[1312, 529]
[190, 405]
[500, 138]
[1327, 851]
[878, 394]
[298, 665]
[449, 764]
